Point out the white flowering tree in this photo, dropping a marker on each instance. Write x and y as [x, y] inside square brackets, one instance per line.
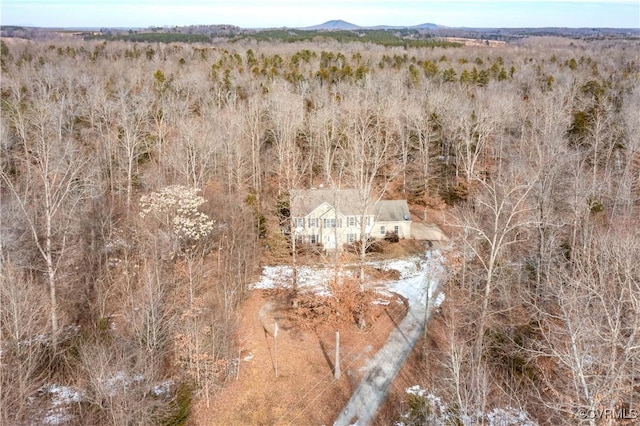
[176, 208]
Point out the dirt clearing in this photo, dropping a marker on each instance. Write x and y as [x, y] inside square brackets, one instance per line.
[305, 391]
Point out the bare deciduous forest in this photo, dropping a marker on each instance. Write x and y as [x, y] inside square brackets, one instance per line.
[141, 185]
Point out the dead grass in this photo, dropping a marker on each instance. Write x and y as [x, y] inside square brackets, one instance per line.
[304, 391]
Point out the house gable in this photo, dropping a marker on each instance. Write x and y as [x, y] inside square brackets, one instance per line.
[322, 211]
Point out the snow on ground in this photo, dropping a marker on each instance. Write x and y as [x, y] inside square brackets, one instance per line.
[61, 397]
[162, 389]
[435, 411]
[309, 278]
[509, 417]
[407, 267]
[412, 271]
[120, 381]
[412, 283]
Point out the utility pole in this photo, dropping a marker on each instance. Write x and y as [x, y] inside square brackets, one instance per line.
[336, 369]
[426, 315]
[275, 345]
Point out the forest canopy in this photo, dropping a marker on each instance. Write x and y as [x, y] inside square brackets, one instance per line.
[142, 183]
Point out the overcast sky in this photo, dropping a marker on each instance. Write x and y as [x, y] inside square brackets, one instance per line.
[298, 13]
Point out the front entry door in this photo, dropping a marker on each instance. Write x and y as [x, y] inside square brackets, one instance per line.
[331, 242]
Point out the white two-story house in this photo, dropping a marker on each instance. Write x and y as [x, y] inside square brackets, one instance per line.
[333, 217]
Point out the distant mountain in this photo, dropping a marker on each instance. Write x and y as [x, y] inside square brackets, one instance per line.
[337, 24]
[426, 26]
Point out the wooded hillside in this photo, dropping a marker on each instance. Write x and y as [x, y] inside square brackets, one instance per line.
[140, 183]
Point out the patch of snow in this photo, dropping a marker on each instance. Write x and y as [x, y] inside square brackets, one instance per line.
[43, 339]
[430, 275]
[60, 399]
[311, 279]
[509, 417]
[439, 300]
[121, 381]
[438, 412]
[61, 394]
[162, 388]
[407, 267]
[467, 420]
[416, 274]
[39, 339]
[248, 357]
[413, 289]
[57, 418]
[415, 390]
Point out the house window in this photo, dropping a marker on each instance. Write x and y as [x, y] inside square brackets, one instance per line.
[351, 237]
[330, 223]
[300, 222]
[313, 239]
[351, 221]
[340, 223]
[396, 230]
[313, 222]
[382, 230]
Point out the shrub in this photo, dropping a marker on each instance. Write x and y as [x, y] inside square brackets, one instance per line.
[391, 237]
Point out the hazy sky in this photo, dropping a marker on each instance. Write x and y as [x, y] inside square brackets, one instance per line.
[296, 13]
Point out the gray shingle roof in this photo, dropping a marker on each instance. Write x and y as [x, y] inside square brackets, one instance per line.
[392, 211]
[347, 202]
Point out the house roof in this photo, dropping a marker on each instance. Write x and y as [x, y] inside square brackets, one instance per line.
[304, 201]
[392, 211]
[347, 202]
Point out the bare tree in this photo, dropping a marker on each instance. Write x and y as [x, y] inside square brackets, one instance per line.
[325, 129]
[23, 313]
[550, 159]
[133, 116]
[194, 157]
[253, 128]
[471, 126]
[627, 193]
[423, 123]
[286, 119]
[51, 183]
[591, 328]
[369, 148]
[234, 156]
[497, 220]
